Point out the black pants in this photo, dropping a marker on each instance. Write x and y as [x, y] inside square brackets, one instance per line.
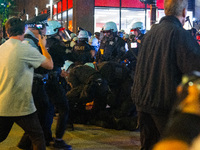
[41, 102]
[58, 100]
[151, 128]
[30, 124]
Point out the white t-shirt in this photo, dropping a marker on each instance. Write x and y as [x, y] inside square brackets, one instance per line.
[17, 63]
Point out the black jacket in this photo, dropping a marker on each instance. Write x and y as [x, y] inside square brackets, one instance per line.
[81, 53]
[166, 53]
[56, 49]
[111, 49]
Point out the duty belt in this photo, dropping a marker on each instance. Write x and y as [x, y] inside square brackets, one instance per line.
[39, 78]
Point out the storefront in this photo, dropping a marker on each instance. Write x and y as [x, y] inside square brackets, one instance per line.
[123, 12]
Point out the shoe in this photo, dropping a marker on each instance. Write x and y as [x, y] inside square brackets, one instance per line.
[50, 141]
[62, 144]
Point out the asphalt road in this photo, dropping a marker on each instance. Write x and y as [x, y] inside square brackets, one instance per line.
[84, 137]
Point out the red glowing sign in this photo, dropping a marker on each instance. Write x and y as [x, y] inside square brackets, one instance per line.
[70, 4]
[160, 4]
[59, 7]
[54, 9]
[126, 3]
[108, 3]
[64, 5]
[132, 4]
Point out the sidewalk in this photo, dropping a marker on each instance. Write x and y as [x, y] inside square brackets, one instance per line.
[84, 137]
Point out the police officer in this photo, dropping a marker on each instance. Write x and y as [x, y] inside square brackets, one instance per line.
[112, 47]
[36, 27]
[55, 90]
[69, 46]
[94, 43]
[121, 108]
[82, 51]
[138, 31]
[121, 33]
[126, 39]
[130, 57]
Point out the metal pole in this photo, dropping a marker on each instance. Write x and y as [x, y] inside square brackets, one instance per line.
[51, 9]
[67, 15]
[120, 14]
[153, 12]
[61, 13]
[145, 15]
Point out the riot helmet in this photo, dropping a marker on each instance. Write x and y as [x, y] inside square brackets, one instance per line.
[53, 27]
[139, 27]
[90, 64]
[110, 27]
[38, 22]
[83, 35]
[67, 65]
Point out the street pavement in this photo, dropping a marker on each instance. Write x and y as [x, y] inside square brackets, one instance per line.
[84, 137]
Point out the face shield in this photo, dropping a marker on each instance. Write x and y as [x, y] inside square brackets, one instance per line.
[64, 34]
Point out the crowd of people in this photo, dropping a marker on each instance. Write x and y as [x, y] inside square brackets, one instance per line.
[113, 79]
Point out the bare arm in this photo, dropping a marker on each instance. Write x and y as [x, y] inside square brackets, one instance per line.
[48, 62]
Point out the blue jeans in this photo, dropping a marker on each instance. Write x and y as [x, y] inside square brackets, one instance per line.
[30, 124]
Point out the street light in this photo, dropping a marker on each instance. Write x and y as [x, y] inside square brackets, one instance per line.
[51, 7]
[36, 11]
[27, 16]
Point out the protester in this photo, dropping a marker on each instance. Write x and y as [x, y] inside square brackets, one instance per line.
[37, 27]
[167, 52]
[18, 61]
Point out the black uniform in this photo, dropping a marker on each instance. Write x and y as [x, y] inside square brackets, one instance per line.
[111, 49]
[55, 90]
[122, 110]
[81, 53]
[87, 86]
[68, 51]
[132, 53]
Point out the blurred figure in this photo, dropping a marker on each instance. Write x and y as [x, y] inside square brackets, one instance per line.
[121, 33]
[97, 35]
[182, 131]
[94, 43]
[69, 45]
[2, 39]
[74, 42]
[126, 39]
[193, 32]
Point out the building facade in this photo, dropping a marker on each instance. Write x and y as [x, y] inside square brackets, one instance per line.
[93, 14]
